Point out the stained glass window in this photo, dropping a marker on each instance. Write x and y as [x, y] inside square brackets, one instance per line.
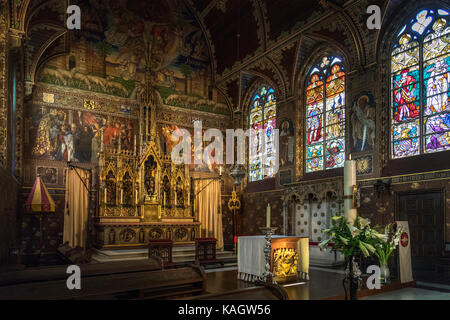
[325, 116]
[262, 121]
[420, 74]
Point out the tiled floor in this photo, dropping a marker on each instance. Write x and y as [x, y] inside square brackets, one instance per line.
[410, 294]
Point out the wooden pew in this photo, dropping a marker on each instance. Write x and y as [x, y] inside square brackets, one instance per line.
[101, 284]
[87, 270]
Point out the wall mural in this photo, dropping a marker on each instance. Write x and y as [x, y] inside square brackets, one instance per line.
[363, 123]
[121, 41]
[69, 135]
[166, 145]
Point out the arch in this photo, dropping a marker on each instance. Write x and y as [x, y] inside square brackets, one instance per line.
[393, 21]
[259, 80]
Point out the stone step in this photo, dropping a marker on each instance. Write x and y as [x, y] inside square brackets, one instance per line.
[184, 254]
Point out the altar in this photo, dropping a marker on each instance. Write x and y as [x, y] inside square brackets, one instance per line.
[289, 258]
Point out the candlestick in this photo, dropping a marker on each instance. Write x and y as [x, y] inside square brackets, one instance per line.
[268, 216]
[268, 276]
[349, 182]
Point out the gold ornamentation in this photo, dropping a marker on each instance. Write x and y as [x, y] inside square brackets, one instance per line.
[285, 262]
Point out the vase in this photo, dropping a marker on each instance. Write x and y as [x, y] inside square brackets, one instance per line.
[384, 273]
[351, 282]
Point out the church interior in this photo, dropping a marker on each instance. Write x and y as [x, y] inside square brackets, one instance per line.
[224, 149]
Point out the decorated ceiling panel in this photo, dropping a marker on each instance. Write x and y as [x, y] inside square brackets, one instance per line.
[285, 15]
[224, 28]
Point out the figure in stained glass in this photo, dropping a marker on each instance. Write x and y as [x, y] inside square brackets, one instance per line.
[262, 115]
[437, 87]
[404, 96]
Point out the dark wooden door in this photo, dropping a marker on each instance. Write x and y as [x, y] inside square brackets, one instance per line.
[423, 211]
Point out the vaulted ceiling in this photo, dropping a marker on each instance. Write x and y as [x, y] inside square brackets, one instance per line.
[246, 38]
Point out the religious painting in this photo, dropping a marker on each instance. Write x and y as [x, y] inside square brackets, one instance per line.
[123, 44]
[47, 174]
[325, 116]
[287, 143]
[262, 121]
[67, 135]
[420, 67]
[167, 144]
[363, 123]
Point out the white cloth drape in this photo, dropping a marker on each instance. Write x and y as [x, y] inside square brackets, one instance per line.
[76, 208]
[208, 209]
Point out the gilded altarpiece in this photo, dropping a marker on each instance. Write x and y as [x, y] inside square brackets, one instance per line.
[143, 198]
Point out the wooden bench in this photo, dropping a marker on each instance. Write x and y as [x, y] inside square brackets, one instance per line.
[121, 284]
[89, 270]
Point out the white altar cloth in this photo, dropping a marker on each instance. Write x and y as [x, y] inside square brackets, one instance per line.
[251, 259]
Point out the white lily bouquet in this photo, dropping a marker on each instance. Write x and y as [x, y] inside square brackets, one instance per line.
[352, 240]
[387, 245]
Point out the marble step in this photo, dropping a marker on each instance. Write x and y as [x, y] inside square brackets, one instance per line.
[184, 254]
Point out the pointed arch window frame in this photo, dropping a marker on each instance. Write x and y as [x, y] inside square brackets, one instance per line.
[268, 112]
[316, 150]
[413, 131]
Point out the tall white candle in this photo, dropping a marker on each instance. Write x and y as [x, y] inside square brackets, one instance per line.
[349, 182]
[268, 216]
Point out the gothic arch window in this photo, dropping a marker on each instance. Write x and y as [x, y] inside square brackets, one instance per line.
[325, 115]
[420, 75]
[262, 121]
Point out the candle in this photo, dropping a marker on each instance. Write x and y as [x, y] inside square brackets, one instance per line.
[268, 216]
[349, 182]
[220, 170]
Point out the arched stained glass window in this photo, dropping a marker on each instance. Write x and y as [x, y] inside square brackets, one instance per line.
[420, 74]
[262, 121]
[325, 116]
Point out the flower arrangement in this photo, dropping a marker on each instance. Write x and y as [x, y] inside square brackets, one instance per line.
[352, 240]
[390, 241]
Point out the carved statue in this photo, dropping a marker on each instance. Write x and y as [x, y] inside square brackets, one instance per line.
[149, 179]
